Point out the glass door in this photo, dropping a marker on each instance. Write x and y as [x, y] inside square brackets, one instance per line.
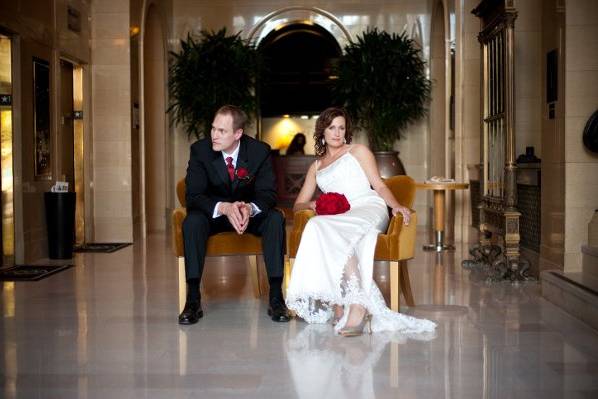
[6, 158]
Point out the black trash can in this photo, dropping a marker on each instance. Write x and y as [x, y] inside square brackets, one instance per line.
[60, 220]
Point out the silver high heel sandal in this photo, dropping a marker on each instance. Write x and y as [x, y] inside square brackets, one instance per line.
[358, 329]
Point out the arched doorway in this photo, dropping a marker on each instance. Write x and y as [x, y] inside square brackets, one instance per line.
[155, 132]
[282, 26]
[298, 77]
[297, 85]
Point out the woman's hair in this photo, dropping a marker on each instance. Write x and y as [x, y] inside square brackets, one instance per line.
[297, 144]
[324, 120]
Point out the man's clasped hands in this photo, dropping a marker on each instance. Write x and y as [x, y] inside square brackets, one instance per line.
[238, 213]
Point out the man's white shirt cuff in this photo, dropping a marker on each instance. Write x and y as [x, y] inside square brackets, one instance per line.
[216, 213]
[254, 210]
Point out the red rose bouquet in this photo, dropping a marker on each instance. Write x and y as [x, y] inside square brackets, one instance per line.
[332, 204]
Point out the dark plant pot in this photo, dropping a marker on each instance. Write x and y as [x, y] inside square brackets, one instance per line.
[60, 221]
[389, 163]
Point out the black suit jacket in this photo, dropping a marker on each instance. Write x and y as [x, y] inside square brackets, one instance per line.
[207, 181]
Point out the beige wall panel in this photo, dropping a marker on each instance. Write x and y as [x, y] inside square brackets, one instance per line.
[581, 97]
[75, 45]
[552, 245]
[111, 108]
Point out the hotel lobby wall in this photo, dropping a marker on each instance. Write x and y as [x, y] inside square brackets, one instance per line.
[581, 101]
[149, 98]
[156, 139]
[440, 76]
[569, 184]
[529, 61]
[111, 109]
[119, 103]
[135, 19]
[552, 238]
[191, 16]
[38, 29]
[467, 107]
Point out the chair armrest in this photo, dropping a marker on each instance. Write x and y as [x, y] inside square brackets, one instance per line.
[178, 216]
[406, 239]
[300, 219]
[399, 239]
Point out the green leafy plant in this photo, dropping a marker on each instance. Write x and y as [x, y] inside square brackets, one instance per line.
[382, 82]
[209, 71]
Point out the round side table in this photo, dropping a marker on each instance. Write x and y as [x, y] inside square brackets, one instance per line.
[439, 194]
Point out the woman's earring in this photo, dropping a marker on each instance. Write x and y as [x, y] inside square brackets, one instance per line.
[323, 141]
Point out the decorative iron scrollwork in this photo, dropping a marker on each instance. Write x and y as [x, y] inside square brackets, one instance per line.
[491, 261]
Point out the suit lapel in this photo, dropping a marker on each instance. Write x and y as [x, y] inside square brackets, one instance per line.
[220, 166]
[242, 161]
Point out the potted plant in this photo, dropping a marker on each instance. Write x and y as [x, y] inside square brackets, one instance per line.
[209, 71]
[383, 85]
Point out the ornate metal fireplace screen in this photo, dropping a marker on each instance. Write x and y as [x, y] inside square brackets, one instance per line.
[499, 257]
[494, 116]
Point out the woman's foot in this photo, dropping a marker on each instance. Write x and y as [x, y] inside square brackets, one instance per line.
[356, 322]
[338, 314]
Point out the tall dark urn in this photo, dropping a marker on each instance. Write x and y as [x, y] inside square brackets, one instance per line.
[389, 163]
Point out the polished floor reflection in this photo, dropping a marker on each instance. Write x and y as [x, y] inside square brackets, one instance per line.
[108, 329]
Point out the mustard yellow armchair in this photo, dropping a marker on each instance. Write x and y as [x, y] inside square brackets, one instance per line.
[396, 246]
[221, 244]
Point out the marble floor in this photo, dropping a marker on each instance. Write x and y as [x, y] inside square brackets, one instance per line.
[107, 328]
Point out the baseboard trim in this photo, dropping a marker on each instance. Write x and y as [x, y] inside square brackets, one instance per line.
[575, 283]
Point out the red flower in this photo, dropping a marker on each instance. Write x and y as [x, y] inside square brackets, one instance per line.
[332, 204]
[242, 174]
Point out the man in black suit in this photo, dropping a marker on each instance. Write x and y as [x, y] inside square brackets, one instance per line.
[231, 187]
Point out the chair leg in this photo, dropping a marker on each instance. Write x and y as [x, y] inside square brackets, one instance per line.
[182, 283]
[394, 364]
[395, 287]
[406, 284]
[255, 276]
[288, 268]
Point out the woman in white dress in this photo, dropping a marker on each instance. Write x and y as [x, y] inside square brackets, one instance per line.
[332, 276]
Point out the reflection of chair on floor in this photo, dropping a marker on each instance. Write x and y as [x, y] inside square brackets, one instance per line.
[221, 244]
[396, 246]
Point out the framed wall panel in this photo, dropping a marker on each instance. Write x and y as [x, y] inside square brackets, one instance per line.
[41, 120]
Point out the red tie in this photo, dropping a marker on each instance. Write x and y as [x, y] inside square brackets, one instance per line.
[230, 167]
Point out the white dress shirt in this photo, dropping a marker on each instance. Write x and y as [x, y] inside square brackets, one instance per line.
[234, 155]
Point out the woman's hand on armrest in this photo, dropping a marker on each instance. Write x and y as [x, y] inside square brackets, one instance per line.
[403, 210]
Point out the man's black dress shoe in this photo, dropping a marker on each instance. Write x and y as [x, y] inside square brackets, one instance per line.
[191, 313]
[278, 310]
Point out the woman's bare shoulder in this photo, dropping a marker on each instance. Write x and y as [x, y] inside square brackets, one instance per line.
[360, 150]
